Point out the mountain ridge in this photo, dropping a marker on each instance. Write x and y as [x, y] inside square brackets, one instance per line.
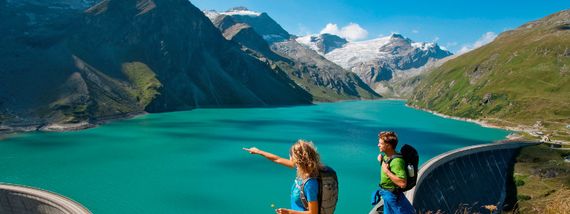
[520, 80]
[322, 78]
[378, 61]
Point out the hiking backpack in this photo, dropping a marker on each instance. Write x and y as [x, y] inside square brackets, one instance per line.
[328, 191]
[411, 159]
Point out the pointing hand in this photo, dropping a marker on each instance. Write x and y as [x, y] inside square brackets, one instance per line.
[252, 150]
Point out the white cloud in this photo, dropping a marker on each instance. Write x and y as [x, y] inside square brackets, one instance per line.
[351, 32]
[415, 31]
[485, 38]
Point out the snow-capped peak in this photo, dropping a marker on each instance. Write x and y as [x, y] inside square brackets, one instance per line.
[309, 41]
[424, 46]
[386, 49]
[241, 11]
[397, 35]
[236, 11]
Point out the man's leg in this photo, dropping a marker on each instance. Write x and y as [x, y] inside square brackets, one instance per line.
[402, 205]
[389, 201]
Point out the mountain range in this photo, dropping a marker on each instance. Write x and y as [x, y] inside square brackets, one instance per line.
[69, 64]
[262, 36]
[380, 62]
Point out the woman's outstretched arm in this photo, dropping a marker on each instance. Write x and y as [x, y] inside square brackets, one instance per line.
[269, 156]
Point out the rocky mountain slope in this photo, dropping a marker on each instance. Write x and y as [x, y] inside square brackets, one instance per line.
[62, 65]
[520, 78]
[378, 61]
[323, 43]
[265, 39]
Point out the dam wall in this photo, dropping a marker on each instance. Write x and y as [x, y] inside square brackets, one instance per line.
[26, 200]
[467, 179]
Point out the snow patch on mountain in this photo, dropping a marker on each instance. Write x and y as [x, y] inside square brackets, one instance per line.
[236, 11]
[322, 43]
[264, 25]
[241, 13]
[211, 14]
[359, 52]
[424, 46]
[309, 41]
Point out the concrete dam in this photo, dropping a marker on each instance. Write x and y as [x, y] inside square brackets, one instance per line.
[467, 179]
[25, 200]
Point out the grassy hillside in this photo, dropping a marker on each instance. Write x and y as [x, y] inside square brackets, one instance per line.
[144, 80]
[520, 78]
[543, 180]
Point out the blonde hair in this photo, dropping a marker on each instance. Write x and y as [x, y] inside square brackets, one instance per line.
[306, 158]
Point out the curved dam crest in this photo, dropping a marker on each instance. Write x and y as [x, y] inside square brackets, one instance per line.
[15, 199]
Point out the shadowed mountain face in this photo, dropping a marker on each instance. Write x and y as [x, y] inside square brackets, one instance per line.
[520, 78]
[325, 80]
[63, 65]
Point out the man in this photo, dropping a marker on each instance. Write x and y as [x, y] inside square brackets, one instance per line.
[393, 176]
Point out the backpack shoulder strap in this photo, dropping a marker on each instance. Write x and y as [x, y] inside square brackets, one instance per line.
[394, 157]
[302, 193]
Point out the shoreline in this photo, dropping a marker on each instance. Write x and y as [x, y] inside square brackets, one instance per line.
[486, 124]
[8, 131]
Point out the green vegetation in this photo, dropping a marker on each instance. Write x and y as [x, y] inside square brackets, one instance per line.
[520, 78]
[144, 81]
[543, 180]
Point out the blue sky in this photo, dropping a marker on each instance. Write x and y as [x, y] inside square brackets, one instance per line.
[455, 25]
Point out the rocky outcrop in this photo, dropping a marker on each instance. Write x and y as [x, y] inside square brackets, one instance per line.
[323, 43]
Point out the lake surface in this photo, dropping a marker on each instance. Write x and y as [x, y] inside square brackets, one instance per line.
[193, 162]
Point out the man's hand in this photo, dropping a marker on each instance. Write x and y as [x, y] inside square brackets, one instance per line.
[252, 150]
[385, 167]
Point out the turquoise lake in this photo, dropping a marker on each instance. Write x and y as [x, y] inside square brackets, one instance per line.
[193, 162]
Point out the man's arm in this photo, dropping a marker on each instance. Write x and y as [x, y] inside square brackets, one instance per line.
[400, 182]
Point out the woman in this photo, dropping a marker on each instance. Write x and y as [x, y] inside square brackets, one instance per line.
[304, 157]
